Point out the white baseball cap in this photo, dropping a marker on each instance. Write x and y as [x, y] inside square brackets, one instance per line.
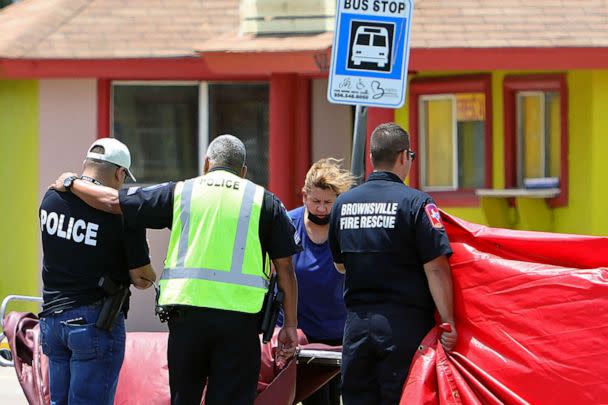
[115, 152]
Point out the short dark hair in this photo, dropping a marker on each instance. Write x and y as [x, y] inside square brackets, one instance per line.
[387, 141]
[99, 165]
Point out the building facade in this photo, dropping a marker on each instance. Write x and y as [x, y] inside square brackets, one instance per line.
[505, 106]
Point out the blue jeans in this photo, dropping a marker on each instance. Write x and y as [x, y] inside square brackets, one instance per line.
[84, 361]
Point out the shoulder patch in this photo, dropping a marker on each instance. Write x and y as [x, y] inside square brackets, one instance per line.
[154, 186]
[132, 190]
[434, 216]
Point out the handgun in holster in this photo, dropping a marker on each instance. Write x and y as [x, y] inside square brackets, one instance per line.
[163, 312]
[273, 300]
[112, 302]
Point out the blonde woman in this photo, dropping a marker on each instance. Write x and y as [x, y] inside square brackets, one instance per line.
[321, 310]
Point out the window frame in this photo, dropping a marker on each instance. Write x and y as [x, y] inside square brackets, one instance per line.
[451, 85]
[205, 97]
[203, 114]
[514, 84]
[106, 92]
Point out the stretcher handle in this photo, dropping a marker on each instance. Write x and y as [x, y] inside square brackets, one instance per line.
[445, 327]
[9, 298]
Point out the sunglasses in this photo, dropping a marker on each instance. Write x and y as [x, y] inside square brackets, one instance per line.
[410, 153]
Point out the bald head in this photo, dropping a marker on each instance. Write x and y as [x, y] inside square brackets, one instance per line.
[387, 141]
[227, 151]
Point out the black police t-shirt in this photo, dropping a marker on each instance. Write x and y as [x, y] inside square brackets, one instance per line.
[80, 244]
[384, 232]
[152, 207]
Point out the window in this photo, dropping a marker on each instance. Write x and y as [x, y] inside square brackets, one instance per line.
[168, 126]
[363, 39]
[450, 125]
[379, 40]
[159, 124]
[242, 110]
[536, 133]
[451, 141]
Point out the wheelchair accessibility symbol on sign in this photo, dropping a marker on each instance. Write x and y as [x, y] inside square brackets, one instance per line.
[371, 46]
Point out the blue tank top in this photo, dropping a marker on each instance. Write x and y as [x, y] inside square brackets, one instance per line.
[321, 309]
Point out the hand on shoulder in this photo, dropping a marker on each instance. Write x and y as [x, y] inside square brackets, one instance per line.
[58, 183]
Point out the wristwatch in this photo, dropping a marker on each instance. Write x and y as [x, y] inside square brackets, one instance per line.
[67, 183]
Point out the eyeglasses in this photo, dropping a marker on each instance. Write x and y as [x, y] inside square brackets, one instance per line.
[410, 153]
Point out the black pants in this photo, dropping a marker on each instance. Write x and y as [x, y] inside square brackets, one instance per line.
[218, 347]
[378, 348]
[329, 394]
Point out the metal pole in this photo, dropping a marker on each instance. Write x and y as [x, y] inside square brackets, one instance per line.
[357, 162]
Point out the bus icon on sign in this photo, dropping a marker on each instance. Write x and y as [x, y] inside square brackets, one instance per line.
[371, 45]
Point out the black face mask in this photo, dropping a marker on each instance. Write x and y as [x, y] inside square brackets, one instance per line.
[318, 220]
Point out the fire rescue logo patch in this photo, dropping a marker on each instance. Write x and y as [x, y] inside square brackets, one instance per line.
[434, 216]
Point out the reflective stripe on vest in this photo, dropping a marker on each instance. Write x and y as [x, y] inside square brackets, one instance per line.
[215, 275]
[234, 276]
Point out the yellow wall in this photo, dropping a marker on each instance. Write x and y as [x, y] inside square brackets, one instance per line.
[19, 262]
[599, 154]
[587, 158]
[576, 216]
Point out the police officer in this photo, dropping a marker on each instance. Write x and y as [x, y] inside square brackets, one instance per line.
[80, 246]
[216, 276]
[390, 241]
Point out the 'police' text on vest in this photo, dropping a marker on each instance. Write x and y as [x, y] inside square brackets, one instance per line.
[74, 229]
[228, 183]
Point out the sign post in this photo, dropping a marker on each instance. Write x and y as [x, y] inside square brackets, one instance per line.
[369, 61]
[357, 161]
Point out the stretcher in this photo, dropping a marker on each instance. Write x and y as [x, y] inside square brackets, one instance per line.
[529, 310]
[144, 377]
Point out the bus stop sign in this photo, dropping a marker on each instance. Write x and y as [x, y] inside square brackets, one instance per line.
[370, 53]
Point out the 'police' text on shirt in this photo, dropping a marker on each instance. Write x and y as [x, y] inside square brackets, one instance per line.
[368, 215]
[74, 229]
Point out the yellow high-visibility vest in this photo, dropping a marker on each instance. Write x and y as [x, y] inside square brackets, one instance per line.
[215, 256]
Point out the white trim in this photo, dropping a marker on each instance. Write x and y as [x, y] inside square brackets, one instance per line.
[543, 136]
[454, 142]
[203, 123]
[154, 83]
[518, 192]
[439, 188]
[111, 129]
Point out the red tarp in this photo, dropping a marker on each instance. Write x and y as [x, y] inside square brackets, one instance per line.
[531, 310]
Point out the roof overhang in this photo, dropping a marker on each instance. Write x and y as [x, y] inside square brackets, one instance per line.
[262, 57]
[311, 55]
[486, 59]
[183, 68]
[307, 54]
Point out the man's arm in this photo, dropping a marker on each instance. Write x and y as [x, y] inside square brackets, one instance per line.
[334, 241]
[288, 336]
[289, 284]
[142, 277]
[439, 277]
[137, 249]
[100, 197]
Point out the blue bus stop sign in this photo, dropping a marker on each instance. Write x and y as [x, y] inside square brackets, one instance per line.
[370, 53]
